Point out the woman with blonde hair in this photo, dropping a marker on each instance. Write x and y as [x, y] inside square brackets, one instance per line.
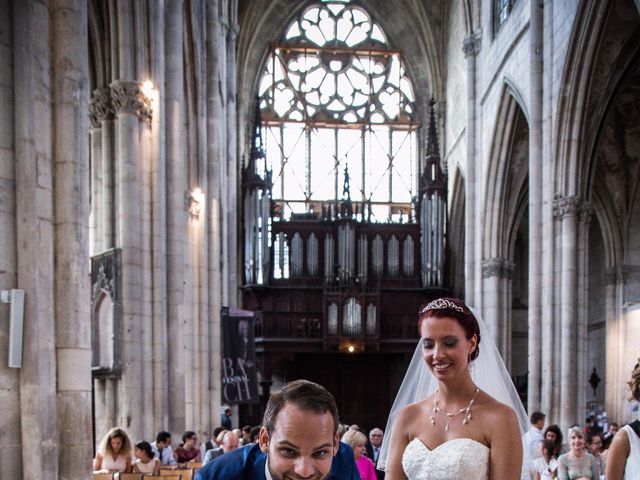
[357, 441]
[577, 464]
[114, 453]
[623, 459]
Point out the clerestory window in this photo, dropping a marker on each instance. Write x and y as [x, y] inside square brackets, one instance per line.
[336, 101]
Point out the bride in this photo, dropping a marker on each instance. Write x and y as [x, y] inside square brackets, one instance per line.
[465, 420]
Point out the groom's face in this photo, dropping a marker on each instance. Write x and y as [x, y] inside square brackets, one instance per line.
[301, 446]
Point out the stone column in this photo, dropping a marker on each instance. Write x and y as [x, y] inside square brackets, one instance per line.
[567, 208]
[213, 222]
[471, 48]
[615, 351]
[71, 213]
[95, 227]
[548, 294]
[38, 453]
[496, 279]
[584, 217]
[176, 215]
[130, 106]
[232, 155]
[535, 205]
[10, 442]
[491, 273]
[101, 115]
[158, 176]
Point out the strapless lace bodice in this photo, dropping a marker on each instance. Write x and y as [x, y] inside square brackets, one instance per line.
[458, 459]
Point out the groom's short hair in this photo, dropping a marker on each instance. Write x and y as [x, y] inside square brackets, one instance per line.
[305, 395]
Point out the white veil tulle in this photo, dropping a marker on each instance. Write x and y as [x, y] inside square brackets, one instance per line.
[487, 370]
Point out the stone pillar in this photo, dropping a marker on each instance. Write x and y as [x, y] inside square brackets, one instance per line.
[95, 227]
[176, 214]
[10, 440]
[214, 149]
[101, 115]
[567, 209]
[130, 106]
[71, 213]
[615, 349]
[549, 319]
[233, 192]
[496, 279]
[535, 205]
[471, 48]
[38, 455]
[584, 217]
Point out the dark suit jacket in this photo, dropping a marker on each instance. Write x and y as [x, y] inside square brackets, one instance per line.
[247, 463]
[369, 448]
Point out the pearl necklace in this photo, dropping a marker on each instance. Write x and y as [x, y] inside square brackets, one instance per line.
[449, 415]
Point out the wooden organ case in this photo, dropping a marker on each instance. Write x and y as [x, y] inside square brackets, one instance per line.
[338, 294]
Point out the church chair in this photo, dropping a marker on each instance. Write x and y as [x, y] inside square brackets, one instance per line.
[187, 473]
[194, 464]
[172, 476]
[130, 476]
[103, 476]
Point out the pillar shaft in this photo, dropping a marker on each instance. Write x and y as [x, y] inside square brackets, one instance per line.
[471, 48]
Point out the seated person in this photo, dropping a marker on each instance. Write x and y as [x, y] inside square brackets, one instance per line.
[228, 442]
[162, 448]
[114, 453]
[300, 423]
[146, 461]
[188, 450]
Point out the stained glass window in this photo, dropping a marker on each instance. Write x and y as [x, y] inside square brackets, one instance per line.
[336, 98]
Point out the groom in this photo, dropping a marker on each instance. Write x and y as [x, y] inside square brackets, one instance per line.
[298, 439]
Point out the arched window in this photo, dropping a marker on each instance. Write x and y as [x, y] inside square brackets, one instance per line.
[336, 100]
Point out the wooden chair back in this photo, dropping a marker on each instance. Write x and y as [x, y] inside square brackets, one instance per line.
[103, 476]
[187, 473]
[130, 476]
[167, 476]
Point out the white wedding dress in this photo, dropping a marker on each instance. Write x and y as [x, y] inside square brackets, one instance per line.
[458, 459]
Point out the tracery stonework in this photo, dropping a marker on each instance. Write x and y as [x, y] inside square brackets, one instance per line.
[100, 107]
[127, 97]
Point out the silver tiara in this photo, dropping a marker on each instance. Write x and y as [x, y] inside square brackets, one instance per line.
[441, 304]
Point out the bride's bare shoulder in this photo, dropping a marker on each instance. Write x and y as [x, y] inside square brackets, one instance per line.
[410, 412]
[495, 410]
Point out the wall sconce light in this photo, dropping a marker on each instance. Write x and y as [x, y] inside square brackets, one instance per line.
[351, 349]
[147, 88]
[195, 202]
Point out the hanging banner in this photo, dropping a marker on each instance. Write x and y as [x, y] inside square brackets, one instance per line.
[239, 372]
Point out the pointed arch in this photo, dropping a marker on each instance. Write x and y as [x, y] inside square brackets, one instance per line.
[501, 211]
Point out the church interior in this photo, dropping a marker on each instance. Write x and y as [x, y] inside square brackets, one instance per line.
[326, 166]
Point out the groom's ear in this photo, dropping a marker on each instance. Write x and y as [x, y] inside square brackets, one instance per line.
[263, 439]
[336, 444]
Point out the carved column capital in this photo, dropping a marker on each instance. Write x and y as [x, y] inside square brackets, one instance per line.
[564, 206]
[586, 212]
[100, 107]
[497, 267]
[128, 97]
[232, 30]
[471, 45]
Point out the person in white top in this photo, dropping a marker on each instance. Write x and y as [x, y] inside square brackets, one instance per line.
[546, 466]
[146, 461]
[531, 444]
[162, 449]
[623, 459]
[114, 453]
